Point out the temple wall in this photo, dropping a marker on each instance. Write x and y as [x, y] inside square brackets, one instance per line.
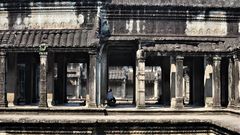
[46, 19]
[187, 23]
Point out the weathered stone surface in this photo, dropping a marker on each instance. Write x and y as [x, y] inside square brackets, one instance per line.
[43, 80]
[231, 82]
[117, 122]
[191, 3]
[208, 82]
[236, 79]
[92, 80]
[177, 81]
[3, 92]
[216, 82]
[140, 102]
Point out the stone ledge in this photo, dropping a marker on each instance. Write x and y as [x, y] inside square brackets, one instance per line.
[115, 111]
[228, 122]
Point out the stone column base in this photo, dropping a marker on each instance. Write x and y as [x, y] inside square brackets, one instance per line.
[237, 105]
[91, 105]
[208, 102]
[43, 105]
[49, 99]
[177, 103]
[231, 104]
[216, 106]
[140, 106]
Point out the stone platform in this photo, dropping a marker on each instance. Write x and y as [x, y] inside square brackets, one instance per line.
[83, 120]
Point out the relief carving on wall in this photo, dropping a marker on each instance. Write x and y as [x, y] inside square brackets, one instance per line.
[50, 20]
[200, 25]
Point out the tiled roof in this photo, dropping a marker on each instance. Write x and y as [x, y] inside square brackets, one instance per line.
[35, 38]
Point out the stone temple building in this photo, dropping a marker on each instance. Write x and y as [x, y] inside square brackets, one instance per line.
[177, 53]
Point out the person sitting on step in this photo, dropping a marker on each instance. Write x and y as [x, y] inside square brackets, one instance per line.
[111, 101]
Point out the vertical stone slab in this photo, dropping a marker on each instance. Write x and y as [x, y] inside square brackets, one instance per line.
[140, 102]
[231, 95]
[92, 80]
[236, 80]
[50, 78]
[123, 94]
[179, 84]
[3, 92]
[156, 85]
[186, 88]
[43, 80]
[104, 77]
[172, 81]
[216, 82]
[177, 99]
[208, 79]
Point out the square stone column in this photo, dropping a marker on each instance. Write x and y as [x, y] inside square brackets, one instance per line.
[3, 92]
[123, 91]
[156, 85]
[140, 94]
[231, 89]
[50, 78]
[216, 82]
[177, 99]
[92, 80]
[208, 82]
[43, 80]
[236, 81]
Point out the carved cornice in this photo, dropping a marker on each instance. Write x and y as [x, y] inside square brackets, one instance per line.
[227, 45]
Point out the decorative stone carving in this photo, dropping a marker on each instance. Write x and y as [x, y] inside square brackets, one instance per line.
[43, 20]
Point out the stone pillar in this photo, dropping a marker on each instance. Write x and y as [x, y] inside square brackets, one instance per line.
[172, 79]
[177, 99]
[123, 88]
[43, 80]
[140, 97]
[50, 78]
[92, 82]
[3, 92]
[156, 85]
[216, 82]
[208, 82]
[104, 77]
[186, 88]
[231, 94]
[179, 86]
[236, 81]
